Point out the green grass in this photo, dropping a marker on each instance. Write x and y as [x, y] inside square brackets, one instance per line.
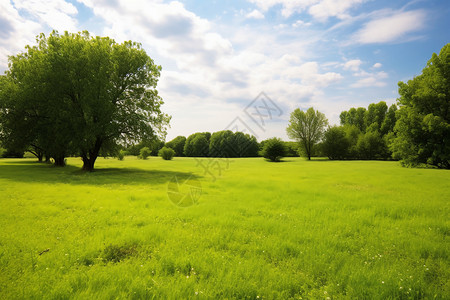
[296, 229]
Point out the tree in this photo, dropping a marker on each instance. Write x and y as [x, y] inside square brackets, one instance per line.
[335, 144]
[177, 144]
[226, 143]
[166, 153]
[274, 149]
[423, 126]
[197, 144]
[144, 153]
[80, 94]
[370, 145]
[307, 128]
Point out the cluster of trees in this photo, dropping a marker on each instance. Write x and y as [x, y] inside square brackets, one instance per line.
[417, 132]
[363, 134]
[223, 143]
[74, 94]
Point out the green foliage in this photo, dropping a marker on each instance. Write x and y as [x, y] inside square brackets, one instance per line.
[307, 128]
[336, 145]
[423, 126]
[232, 144]
[177, 144]
[166, 153]
[291, 230]
[121, 154]
[6, 153]
[77, 94]
[291, 149]
[145, 152]
[274, 149]
[197, 144]
[371, 145]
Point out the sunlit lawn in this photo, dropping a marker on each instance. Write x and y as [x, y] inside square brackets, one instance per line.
[295, 229]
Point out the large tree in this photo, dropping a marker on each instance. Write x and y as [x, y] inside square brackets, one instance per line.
[307, 128]
[84, 94]
[423, 127]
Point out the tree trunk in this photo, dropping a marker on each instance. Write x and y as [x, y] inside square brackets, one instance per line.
[60, 161]
[89, 158]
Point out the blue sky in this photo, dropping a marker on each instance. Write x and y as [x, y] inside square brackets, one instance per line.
[217, 56]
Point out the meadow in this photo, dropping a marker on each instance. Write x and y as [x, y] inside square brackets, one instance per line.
[290, 230]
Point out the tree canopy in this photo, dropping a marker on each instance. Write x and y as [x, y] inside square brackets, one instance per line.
[423, 127]
[307, 128]
[77, 94]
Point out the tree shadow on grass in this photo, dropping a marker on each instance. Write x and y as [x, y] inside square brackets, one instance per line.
[32, 172]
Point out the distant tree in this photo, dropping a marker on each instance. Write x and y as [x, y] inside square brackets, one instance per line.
[121, 154]
[375, 114]
[145, 152]
[389, 121]
[291, 149]
[177, 144]
[352, 134]
[274, 149]
[370, 145]
[335, 143]
[77, 94]
[307, 128]
[226, 143]
[166, 153]
[197, 145]
[423, 126]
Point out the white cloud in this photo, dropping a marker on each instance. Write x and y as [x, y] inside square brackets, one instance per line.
[352, 65]
[300, 23]
[370, 79]
[15, 33]
[332, 8]
[319, 9]
[255, 14]
[392, 28]
[377, 65]
[56, 14]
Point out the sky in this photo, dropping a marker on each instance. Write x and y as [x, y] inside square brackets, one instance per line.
[246, 65]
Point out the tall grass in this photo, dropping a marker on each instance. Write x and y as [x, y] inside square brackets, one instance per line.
[296, 229]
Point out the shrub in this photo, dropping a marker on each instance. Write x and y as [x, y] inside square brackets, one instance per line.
[144, 152]
[166, 153]
[121, 154]
[274, 149]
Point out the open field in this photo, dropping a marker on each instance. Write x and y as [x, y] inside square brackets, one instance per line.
[296, 229]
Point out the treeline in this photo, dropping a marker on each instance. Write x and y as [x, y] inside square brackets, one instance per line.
[223, 143]
[363, 134]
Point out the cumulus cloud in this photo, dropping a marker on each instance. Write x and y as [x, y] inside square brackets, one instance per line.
[391, 28]
[56, 14]
[370, 79]
[15, 33]
[377, 65]
[255, 14]
[352, 65]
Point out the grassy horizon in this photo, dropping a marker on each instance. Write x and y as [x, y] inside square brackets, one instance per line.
[296, 229]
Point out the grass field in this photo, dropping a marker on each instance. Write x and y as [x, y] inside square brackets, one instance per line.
[296, 229]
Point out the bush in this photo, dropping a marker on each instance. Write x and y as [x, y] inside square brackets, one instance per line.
[274, 149]
[166, 153]
[121, 154]
[144, 152]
